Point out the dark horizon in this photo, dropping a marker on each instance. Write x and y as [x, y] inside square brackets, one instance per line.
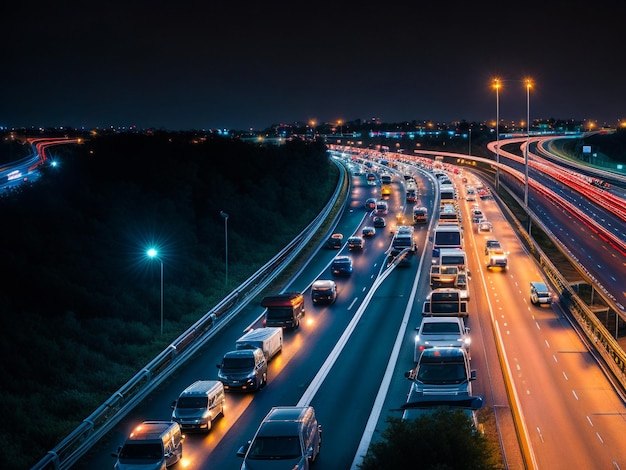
[205, 66]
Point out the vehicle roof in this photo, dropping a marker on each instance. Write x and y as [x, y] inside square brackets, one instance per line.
[278, 428]
[282, 300]
[287, 413]
[448, 250]
[201, 387]
[443, 290]
[324, 284]
[260, 333]
[539, 285]
[241, 353]
[151, 429]
[435, 319]
[443, 354]
[342, 259]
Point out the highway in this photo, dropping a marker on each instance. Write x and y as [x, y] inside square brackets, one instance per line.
[551, 369]
[27, 169]
[563, 393]
[601, 223]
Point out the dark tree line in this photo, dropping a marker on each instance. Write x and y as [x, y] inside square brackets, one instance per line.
[80, 299]
[441, 440]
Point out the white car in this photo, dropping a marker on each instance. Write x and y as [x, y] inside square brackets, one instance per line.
[484, 226]
[437, 332]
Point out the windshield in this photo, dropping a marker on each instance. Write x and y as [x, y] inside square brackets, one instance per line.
[142, 451]
[438, 328]
[243, 363]
[453, 259]
[284, 313]
[192, 402]
[447, 238]
[445, 307]
[275, 448]
[440, 374]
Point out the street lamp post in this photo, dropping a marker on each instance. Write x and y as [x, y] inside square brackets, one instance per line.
[469, 149]
[496, 85]
[225, 217]
[153, 253]
[528, 86]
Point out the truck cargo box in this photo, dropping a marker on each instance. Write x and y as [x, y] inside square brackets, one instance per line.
[269, 340]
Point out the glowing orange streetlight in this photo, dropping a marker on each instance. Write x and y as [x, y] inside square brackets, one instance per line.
[529, 84]
[496, 86]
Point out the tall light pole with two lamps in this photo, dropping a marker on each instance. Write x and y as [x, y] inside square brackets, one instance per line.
[528, 87]
[153, 253]
[497, 83]
[225, 217]
[496, 86]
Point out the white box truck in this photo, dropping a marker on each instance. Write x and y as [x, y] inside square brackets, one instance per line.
[269, 340]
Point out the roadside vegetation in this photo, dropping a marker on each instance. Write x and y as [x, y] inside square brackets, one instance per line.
[442, 440]
[80, 300]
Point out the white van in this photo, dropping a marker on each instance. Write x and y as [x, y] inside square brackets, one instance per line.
[288, 437]
[152, 445]
[199, 405]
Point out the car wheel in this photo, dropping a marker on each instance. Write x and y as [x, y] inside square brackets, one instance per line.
[263, 380]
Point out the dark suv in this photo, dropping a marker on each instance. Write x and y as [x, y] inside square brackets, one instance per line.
[341, 266]
[324, 291]
[335, 241]
[356, 243]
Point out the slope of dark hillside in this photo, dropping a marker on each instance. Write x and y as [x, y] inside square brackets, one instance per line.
[80, 297]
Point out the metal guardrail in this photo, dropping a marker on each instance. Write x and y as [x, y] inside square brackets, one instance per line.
[103, 419]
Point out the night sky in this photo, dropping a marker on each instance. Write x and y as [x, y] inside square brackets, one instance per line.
[199, 65]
